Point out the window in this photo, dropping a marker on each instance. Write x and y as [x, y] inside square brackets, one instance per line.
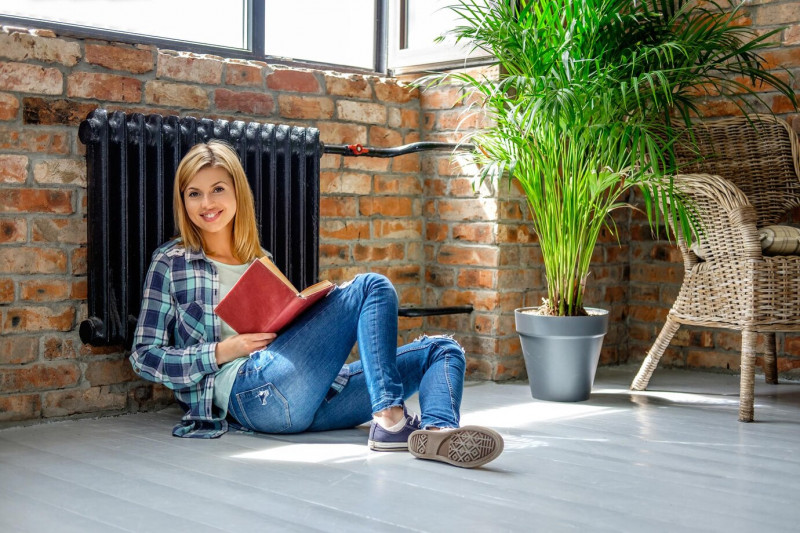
[343, 34]
[415, 24]
[194, 21]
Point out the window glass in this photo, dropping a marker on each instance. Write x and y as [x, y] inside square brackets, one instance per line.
[411, 41]
[199, 21]
[341, 32]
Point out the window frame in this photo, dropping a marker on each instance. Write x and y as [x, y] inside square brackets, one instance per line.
[255, 11]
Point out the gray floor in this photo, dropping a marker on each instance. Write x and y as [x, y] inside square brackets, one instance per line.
[673, 458]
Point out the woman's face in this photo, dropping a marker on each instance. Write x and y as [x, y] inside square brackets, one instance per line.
[210, 201]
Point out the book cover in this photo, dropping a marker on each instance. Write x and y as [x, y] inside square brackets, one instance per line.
[265, 301]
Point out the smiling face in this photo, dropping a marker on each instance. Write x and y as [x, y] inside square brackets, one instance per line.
[210, 201]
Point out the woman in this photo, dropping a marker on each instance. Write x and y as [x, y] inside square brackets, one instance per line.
[296, 381]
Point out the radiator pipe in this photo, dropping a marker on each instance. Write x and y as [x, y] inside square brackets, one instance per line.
[423, 146]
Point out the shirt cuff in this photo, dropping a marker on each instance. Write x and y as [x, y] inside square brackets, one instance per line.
[208, 356]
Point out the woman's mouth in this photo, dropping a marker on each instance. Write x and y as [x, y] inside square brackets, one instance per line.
[211, 217]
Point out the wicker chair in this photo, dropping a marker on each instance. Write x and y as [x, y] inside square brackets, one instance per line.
[751, 181]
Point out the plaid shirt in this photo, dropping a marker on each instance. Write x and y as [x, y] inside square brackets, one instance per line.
[177, 335]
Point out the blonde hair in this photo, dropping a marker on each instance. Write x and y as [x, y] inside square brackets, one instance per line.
[214, 153]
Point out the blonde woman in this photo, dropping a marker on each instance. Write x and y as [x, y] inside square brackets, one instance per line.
[297, 380]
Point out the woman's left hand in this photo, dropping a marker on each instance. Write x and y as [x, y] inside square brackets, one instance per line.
[241, 345]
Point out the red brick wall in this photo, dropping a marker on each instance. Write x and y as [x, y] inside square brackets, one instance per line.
[372, 209]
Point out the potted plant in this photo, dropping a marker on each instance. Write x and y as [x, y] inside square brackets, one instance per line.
[586, 108]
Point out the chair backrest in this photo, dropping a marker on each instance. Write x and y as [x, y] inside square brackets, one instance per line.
[759, 157]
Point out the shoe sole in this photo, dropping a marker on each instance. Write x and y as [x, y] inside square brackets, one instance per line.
[467, 447]
[387, 446]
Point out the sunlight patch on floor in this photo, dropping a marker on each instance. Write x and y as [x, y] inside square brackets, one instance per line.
[309, 453]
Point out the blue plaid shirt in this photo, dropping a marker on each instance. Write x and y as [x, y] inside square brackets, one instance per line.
[177, 335]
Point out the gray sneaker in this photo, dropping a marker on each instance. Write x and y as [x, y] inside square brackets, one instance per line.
[383, 440]
[467, 447]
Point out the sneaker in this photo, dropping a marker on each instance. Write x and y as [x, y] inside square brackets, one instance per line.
[383, 440]
[467, 447]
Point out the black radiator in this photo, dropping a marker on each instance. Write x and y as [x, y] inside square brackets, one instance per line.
[131, 163]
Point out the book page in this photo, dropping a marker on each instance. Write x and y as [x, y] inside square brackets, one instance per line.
[315, 288]
[275, 270]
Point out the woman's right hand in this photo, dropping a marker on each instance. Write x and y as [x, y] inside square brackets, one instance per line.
[241, 345]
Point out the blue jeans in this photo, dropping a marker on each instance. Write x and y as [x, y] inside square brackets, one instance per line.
[286, 387]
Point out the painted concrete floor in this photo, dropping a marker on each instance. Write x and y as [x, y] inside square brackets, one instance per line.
[673, 458]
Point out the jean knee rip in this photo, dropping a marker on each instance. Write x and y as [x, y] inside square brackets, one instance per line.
[445, 337]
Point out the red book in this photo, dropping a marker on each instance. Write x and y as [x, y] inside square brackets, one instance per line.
[265, 301]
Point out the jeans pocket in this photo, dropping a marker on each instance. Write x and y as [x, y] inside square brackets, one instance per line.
[263, 409]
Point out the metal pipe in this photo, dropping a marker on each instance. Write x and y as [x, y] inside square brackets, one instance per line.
[423, 146]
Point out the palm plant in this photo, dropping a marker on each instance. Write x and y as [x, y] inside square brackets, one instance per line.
[587, 107]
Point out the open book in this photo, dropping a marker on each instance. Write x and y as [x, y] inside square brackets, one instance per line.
[265, 301]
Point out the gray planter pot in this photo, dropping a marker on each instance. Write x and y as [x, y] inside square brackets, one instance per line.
[561, 353]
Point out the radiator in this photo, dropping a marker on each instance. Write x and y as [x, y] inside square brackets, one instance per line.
[131, 162]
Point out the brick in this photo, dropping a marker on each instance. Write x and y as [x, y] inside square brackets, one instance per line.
[398, 229]
[345, 183]
[27, 47]
[706, 359]
[26, 140]
[29, 260]
[79, 290]
[119, 57]
[390, 91]
[361, 112]
[18, 349]
[477, 232]
[42, 376]
[78, 262]
[244, 102]
[305, 107]
[440, 98]
[783, 12]
[32, 318]
[436, 232]
[24, 78]
[69, 231]
[405, 185]
[110, 87]
[791, 35]
[481, 300]
[243, 75]
[49, 112]
[781, 104]
[402, 274]
[9, 106]
[92, 400]
[109, 372]
[406, 163]
[175, 94]
[20, 407]
[61, 172]
[58, 348]
[384, 138]
[378, 252]
[477, 279]
[334, 254]
[386, 206]
[402, 185]
[13, 168]
[350, 230]
[339, 133]
[467, 255]
[293, 80]
[189, 67]
[467, 209]
[43, 290]
[372, 164]
[352, 87]
[334, 206]
[6, 291]
[35, 200]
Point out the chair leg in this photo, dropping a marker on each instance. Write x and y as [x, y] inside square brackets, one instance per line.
[770, 361]
[747, 385]
[654, 355]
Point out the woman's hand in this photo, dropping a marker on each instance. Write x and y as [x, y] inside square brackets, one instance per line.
[241, 345]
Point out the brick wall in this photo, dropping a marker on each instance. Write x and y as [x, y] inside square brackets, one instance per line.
[372, 209]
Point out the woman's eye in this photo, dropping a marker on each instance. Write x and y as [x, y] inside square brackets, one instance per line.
[219, 189]
[193, 194]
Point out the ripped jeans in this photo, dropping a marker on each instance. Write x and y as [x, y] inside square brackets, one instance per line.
[295, 383]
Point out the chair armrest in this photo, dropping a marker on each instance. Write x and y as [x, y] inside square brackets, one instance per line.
[727, 220]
